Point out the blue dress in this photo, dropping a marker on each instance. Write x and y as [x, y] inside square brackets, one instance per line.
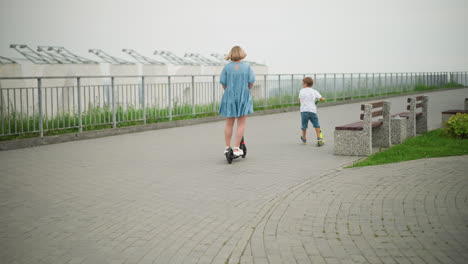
[237, 100]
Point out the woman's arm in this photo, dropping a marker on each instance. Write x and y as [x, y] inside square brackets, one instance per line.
[223, 78]
[251, 79]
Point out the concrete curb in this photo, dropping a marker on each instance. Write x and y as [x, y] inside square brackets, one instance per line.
[33, 142]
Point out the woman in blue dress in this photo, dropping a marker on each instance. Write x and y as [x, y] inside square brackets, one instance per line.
[236, 78]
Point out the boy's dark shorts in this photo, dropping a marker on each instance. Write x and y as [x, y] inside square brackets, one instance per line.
[306, 116]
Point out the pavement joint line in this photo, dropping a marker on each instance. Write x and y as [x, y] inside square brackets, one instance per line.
[273, 203]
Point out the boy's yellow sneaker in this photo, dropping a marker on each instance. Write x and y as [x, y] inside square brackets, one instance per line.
[320, 141]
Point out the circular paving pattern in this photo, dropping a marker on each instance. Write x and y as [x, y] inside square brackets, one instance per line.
[410, 212]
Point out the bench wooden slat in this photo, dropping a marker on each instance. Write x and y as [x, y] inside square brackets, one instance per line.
[402, 114]
[377, 104]
[419, 98]
[352, 126]
[376, 123]
[374, 105]
[417, 106]
[357, 126]
[453, 112]
[374, 114]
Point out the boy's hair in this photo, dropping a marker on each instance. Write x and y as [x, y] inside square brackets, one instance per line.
[308, 81]
[236, 54]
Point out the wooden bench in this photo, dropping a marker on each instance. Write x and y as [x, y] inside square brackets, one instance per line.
[447, 114]
[360, 137]
[416, 120]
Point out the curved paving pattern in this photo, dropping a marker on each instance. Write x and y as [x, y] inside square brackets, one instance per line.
[168, 196]
[411, 212]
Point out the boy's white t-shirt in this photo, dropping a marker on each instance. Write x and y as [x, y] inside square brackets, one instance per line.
[308, 96]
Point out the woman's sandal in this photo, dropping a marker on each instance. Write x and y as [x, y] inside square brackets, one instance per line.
[226, 150]
[238, 151]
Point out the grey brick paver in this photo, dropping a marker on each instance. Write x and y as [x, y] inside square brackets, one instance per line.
[168, 196]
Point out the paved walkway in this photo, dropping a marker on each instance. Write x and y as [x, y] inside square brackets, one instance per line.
[168, 196]
[411, 212]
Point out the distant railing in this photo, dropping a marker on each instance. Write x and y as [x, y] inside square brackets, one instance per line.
[36, 105]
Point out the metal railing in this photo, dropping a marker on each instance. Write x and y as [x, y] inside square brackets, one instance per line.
[43, 104]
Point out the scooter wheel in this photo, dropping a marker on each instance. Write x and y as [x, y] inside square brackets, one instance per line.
[229, 155]
[244, 148]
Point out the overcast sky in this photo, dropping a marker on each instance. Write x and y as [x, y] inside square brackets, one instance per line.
[291, 36]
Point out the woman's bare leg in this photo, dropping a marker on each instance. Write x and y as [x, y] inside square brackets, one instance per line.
[228, 130]
[240, 130]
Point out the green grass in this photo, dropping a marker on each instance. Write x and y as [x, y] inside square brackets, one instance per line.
[421, 87]
[435, 143]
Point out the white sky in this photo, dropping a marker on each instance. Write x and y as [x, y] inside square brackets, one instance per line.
[291, 36]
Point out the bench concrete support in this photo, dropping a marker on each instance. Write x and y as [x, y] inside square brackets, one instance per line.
[421, 120]
[446, 115]
[466, 104]
[355, 142]
[445, 118]
[399, 129]
[381, 136]
[411, 121]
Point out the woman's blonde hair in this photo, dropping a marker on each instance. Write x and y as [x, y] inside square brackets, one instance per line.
[236, 54]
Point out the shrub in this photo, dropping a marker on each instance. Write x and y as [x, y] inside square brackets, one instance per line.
[457, 125]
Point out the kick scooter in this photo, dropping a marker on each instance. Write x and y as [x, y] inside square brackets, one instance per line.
[230, 152]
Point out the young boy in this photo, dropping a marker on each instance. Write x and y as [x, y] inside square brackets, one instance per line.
[308, 98]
